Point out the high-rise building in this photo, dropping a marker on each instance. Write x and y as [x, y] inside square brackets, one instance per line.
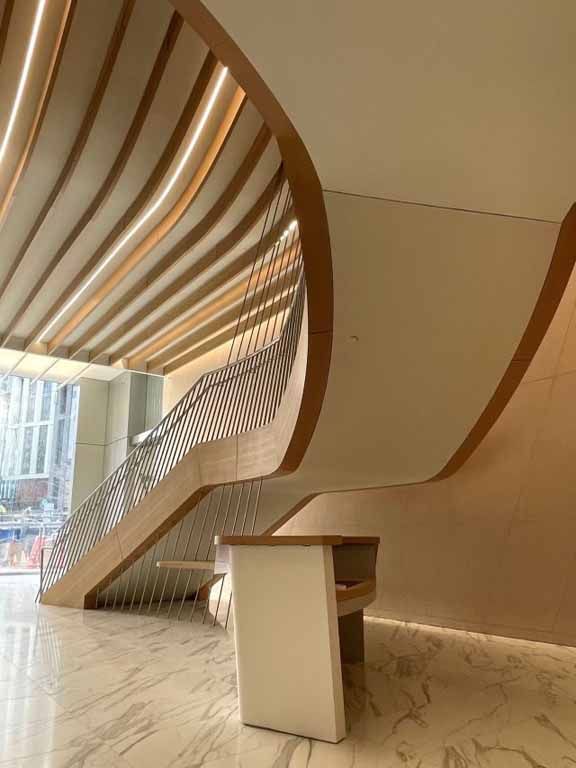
[37, 426]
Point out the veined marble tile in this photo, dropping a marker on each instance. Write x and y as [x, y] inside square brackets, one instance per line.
[88, 689]
[58, 741]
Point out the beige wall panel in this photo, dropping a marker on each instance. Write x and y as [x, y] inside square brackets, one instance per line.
[92, 412]
[492, 548]
[445, 298]
[88, 471]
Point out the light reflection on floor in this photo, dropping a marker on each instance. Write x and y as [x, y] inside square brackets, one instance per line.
[94, 689]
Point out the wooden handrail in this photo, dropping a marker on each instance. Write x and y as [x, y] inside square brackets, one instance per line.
[292, 541]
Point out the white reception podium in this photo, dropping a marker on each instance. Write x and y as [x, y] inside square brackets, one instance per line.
[298, 613]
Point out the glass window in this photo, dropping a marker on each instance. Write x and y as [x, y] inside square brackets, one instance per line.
[63, 400]
[16, 400]
[41, 450]
[31, 406]
[27, 450]
[59, 440]
[33, 486]
[11, 447]
[46, 401]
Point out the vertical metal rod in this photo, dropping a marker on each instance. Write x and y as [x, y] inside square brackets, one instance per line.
[176, 541]
[241, 491]
[241, 534]
[165, 538]
[219, 599]
[188, 540]
[256, 507]
[261, 243]
[187, 585]
[137, 583]
[222, 531]
[198, 549]
[150, 566]
[275, 251]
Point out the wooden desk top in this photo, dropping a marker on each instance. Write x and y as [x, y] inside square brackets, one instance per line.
[295, 541]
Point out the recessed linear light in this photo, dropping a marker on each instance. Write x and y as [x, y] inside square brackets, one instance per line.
[151, 211]
[23, 77]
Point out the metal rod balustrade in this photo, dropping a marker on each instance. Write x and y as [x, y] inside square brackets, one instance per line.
[231, 399]
[236, 397]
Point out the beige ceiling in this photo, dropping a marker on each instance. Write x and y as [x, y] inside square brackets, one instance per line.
[113, 234]
[451, 103]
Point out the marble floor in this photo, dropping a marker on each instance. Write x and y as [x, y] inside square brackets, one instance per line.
[110, 690]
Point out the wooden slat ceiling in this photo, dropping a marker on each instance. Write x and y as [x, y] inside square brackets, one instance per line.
[133, 185]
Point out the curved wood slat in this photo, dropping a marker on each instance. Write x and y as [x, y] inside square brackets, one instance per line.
[162, 229]
[311, 214]
[80, 141]
[201, 230]
[152, 183]
[230, 298]
[5, 25]
[37, 122]
[111, 180]
[191, 335]
[561, 267]
[227, 275]
[221, 249]
[216, 341]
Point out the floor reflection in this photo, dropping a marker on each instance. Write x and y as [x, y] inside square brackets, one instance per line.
[90, 689]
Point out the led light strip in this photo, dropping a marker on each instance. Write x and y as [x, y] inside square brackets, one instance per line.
[23, 77]
[150, 212]
[14, 114]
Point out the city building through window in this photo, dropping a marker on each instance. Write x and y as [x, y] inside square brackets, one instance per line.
[38, 421]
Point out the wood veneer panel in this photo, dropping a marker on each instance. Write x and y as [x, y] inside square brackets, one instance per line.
[152, 183]
[272, 311]
[161, 230]
[5, 26]
[189, 328]
[80, 140]
[192, 239]
[182, 281]
[38, 120]
[111, 180]
[309, 209]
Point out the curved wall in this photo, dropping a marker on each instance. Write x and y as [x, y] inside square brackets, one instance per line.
[431, 302]
[492, 548]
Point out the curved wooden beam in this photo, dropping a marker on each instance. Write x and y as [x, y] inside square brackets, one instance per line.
[80, 141]
[221, 249]
[310, 212]
[224, 301]
[298, 168]
[275, 309]
[192, 239]
[142, 198]
[559, 271]
[5, 25]
[161, 230]
[38, 120]
[111, 180]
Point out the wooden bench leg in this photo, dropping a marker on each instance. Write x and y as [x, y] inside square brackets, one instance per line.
[351, 631]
